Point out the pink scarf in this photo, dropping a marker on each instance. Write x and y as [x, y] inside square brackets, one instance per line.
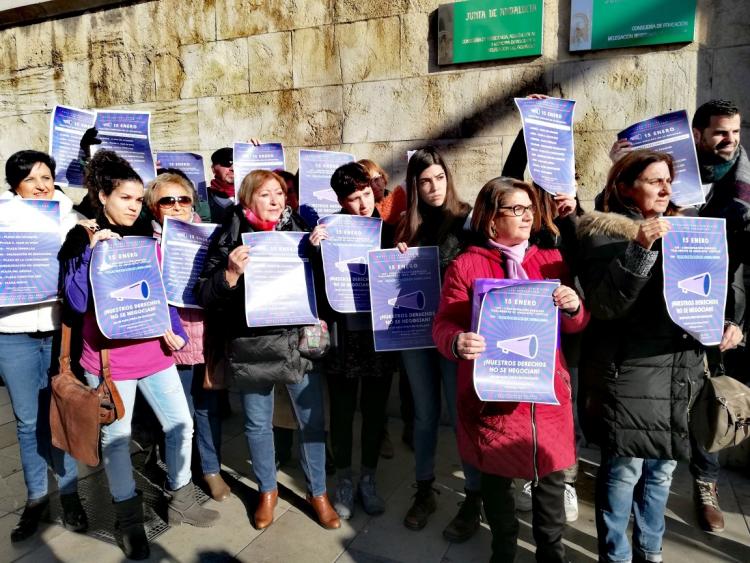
[513, 259]
[258, 223]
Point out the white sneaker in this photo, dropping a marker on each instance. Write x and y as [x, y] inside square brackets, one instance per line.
[523, 497]
[571, 503]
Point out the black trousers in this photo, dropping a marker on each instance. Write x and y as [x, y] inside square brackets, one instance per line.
[547, 517]
[372, 404]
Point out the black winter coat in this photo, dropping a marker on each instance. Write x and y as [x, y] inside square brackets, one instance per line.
[640, 372]
[257, 356]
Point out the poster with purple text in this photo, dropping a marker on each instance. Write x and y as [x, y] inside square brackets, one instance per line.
[129, 297]
[66, 128]
[249, 157]
[316, 197]
[128, 133]
[520, 326]
[189, 163]
[695, 264]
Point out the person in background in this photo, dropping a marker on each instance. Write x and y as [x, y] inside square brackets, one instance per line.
[507, 440]
[292, 189]
[391, 204]
[29, 345]
[221, 189]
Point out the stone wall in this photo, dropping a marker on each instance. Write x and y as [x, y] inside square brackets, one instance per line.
[349, 75]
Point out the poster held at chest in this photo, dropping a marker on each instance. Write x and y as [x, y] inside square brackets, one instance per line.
[344, 253]
[279, 286]
[316, 196]
[129, 297]
[695, 265]
[520, 325]
[405, 294]
[29, 243]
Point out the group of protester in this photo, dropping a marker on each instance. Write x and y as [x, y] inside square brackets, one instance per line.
[639, 372]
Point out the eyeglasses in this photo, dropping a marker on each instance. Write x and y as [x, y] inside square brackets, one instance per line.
[171, 201]
[518, 210]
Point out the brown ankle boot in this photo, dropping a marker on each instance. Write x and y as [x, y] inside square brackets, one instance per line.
[706, 498]
[217, 487]
[264, 512]
[327, 516]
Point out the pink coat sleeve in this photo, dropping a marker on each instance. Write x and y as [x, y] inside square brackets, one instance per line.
[454, 313]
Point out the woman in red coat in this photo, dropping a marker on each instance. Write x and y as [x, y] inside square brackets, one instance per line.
[507, 440]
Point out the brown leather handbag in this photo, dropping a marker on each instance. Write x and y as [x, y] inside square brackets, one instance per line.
[78, 412]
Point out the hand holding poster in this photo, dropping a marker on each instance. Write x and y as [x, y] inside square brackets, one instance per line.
[128, 133]
[405, 294]
[520, 325]
[184, 246]
[671, 133]
[316, 196]
[189, 163]
[29, 243]
[66, 130]
[129, 297]
[279, 287]
[695, 264]
[548, 134]
[350, 238]
[249, 157]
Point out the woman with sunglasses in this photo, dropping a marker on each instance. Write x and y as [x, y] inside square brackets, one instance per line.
[171, 195]
[507, 440]
[435, 216]
[116, 193]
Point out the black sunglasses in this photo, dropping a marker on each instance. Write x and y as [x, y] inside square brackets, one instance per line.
[171, 201]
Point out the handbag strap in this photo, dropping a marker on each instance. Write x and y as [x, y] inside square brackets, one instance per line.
[113, 392]
[65, 348]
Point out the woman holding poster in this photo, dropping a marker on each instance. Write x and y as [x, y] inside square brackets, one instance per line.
[641, 371]
[435, 216]
[507, 440]
[116, 193]
[27, 334]
[172, 195]
[261, 357]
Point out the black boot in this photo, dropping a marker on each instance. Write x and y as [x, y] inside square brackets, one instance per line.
[129, 531]
[424, 505]
[467, 521]
[33, 513]
[74, 516]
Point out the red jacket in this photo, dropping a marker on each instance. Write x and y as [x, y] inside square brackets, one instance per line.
[509, 439]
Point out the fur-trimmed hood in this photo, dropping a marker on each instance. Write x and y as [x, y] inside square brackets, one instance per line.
[613, 225]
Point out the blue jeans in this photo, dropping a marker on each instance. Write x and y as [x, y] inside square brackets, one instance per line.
[163, 392]
[307, 401]
[425, 370]
[204, 406]
[25, 360]
[625, 483]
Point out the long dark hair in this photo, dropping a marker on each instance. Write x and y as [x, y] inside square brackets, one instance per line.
[623, 175]
[452, 208]
[104, 172]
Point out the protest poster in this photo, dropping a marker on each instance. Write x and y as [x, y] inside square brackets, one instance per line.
[344, 254]
[183, 248]
[520, 325]
[548, 135]
[191, 165]
[611, 24]
[672, 133]
[404, 294]
[129, 297]
[249, 157]
[128, 133]
[29, 243]
[279, 286]
[695, 266]
[484, 30]
[66, 128]
[316, 196]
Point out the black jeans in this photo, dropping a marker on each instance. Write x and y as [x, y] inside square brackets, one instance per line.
[372, 404]
[547, 518]
[704, 466]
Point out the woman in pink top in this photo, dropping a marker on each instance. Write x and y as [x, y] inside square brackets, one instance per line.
[116, 192]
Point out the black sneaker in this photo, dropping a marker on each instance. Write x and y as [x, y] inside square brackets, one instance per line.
[424, 505]
[466, 522]
[33, 513]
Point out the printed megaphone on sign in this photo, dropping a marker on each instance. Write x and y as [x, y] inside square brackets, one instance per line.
[138, 291]
[327, 194]
[526, 346]
[699, 285]
[414, 301]
[357, 265]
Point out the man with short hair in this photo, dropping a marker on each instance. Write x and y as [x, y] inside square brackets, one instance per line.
[221, 190]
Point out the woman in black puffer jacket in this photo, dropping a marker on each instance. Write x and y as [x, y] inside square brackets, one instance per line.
[258, 357]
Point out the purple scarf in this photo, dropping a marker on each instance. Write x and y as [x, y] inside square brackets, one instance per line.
[513, 258]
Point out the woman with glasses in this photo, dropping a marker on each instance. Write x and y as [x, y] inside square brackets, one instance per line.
[507, 440]
[435, 216]
[171, 195]
[116, 194]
